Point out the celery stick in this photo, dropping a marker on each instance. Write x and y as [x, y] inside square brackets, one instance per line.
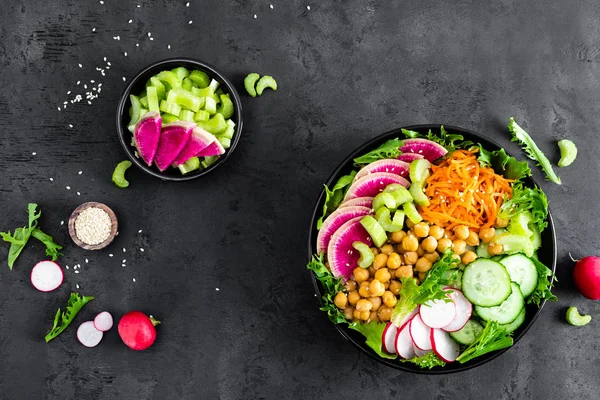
[186, 115]
[215, 125]
[208, 161]
[200, 78]
[160, 88]
[169, 78]
[170, 108]
[184, 98]
[202, 115]
[144, 101]
[226, 107]
[230, 130]
[168, 118]
[135, 109]
[226, 143]
[190, 165]
[181, 72]
[210, 106]
[152, 98]
[187, 84]
[213, 84]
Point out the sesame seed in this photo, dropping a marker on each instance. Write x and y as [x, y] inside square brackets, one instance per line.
[80, 172]
[271, 6]
[78, 82]
[77, 286]
[130, 21]
[110, 255]
[149, 34]
[58, 108]
[68, 187]
[34, 153]
[101, 2]
[151, 38]
[78, 194]
[76, 272]
[124, 250]
[254, 15]
[169, 47]
[123, 265]
[66, 266]
[93, 226]
[141, 249]
[93, 29]
[124, 79]
[134, 279]
[124, 261]
[190, 22]
[217, 289]
[137, 45]
[125, 54]
[70, 125]
[62, 223]
[308, 8]
[187, 4]
[140, 231]
[51, 179]
[80, 66]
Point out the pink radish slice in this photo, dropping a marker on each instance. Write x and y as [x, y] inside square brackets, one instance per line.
[103, 321]
[420, 333]
[88, 335]
[359, 201]
[437, 313]
[404, 344]
[464, 309]
[427, 148]
[419, 352]
[444, 346]
[387, 165]
[46, 276]
[213, 149]
[409, 157]
[332, 223]
[147, 135]
[404, 321]
[388, 338]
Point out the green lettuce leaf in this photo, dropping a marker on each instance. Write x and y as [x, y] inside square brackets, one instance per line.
[63, 319]
[526, 199]
[429, 360]
[335, 195]
[52, 248]
[19, 239]
[543, 290]
[373, 331]
[503, 164]
[390, 149]
[492, 338]
[331, 286]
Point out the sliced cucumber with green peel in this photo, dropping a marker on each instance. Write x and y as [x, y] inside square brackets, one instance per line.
[513, 244]
[521, 271]
[506, 312]
[375, 230]
[486, 283]
[468, 334]
[513, 326]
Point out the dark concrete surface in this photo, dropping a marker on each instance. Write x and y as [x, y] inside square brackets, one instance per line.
[347, 71]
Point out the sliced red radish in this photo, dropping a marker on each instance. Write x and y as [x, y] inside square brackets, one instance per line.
[420, 333]
[444, 346]
[404, 344]
[419, 352]
[103, 321]
[464, 309]
[388, 338]
[437, 313]
[88, 335]
[404, 321]
[46, 276]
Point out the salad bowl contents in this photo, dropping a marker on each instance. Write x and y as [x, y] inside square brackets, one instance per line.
[431, 252]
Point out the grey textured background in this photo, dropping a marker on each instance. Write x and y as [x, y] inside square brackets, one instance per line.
[347, 71]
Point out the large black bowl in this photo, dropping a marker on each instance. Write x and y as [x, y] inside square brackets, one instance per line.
[546, 254]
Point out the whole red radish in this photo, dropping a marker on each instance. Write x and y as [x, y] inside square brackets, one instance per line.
[587, 277]
[137, 330]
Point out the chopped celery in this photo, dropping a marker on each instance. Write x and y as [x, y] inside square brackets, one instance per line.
[215, 125]
[206, 92]
[213, 84]
[118, 176]
[265, 82]
[419, 197]
[568, 152]
[136, 106]
[210, 106]
[168, 118]
[383, 216]
[186, 115]
[230, 130]
[199, 78]
[190, 165]
[411, 212]
[398, 218]
[225, 142]
[144, 101]
[208, 161]
[181, 72]
[366, 254]
[169, 78]
[160, 88]
[184, 98]
[202, 115]
[187, 84]
[226, 107]
[375, 230]
[250, 83]
[170, 108]
[152, 98]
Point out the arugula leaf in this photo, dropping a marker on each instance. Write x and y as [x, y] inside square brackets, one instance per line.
[429, 360]
[532, 150]
[492, 338]
[373, 331]
[334, 197]
[451, 141]
[62, 319]
[526, 199]
[19, 239]
[390, 149]
[503, 164]
[331, 286]
[543, 290]
[52, 248]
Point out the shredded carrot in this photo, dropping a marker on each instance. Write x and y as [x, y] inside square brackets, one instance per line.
[461, 192]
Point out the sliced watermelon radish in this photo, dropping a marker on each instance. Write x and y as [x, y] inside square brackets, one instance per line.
[372, 184]
[103, 321]
[173, 138]
[332, 223]
[404, 344]
[464, 309]
[419, 332]
[358, 201]
[88, 335]
[199, 141]
[213, 149]
[419, 352]
[444, 346]
[427, 148]
[46, 276]
[388, 338]
[410, 157]
[147, 135]
[386, 165]
[342, 257]
[437, 313]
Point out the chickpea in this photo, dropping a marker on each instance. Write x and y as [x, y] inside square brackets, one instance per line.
[423, 265]
[356, 314]
[384, 313]
[449, 234]
[375, 250]
[387, 249]
[376, 288]
[410, 243]
[473, 239]
[373, 317]
[400, 249]
[398, 236]
[348, 311]
[409, 223]
[380, 261]
[495, 248]
[340, 300]
[350, 286]
[360, 274]
[487, 234]
[364, 291]
[420, 251]
[371, 270]
[422, 276]
[353, 297]
[364, 305]
[405, 271]
[421, 229]
[469, 257]
[501, 223]
[394, 261]
[364, 315]
[443, 244]
[376, 302]
[460, 246]
[461, 232]
[383, 275]
[436, 232]
[429, 244]
[433, 257]
[386, 285]
[389, 299]
[410, 257]
[395, 287]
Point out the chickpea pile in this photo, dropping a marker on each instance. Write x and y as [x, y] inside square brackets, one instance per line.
[371, 293]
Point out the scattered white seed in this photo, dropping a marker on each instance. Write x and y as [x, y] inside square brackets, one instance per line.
[89, 102]
[80, 66]
[66, 266]
[125, 54]
[109, 64]
[110, 255]
[271, 6]
[169, 47]
[254, 15]
[77, 286]
[217, 289]
[142, 249]
[124, 261]
[124, 250]
[101, 2]
[138, 6]
[78, 82]
[70, 125]
[149, 34]
[137, 45]
[130, 21]
[80, 172]
[62, 223]
[134, 279]
[140, 231]
[69, 92]
[93, 29]
[151, 38]
[92, 81]
[58, 108]
[308, 8]
[68, 187]
[86, 260]
[187, 4]
[51, 179]
[124, 79]
[190, 22]
[78, 194]
[104, 59]
[34, 153]
[76, 272]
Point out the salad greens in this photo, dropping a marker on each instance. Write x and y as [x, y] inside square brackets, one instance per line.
[390, 149]
[532, 150]
[52, 248]
[429, 360]
[451, 141]
[62, 319]
[335, 195]
[526, 199]
[331, 286]
[503, 164]
[373, 332]
[543, 289]
[492, 338]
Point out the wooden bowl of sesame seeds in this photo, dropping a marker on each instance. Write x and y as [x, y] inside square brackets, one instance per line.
[93, 226]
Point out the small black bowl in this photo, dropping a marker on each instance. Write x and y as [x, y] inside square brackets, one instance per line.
[137, 85]
[546, 253]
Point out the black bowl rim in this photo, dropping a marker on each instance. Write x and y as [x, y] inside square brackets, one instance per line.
[121, 130]
[344, 330]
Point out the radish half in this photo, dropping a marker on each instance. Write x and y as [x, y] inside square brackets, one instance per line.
[388, 338]
[46, 276]
[88, 335]
[437, 313]
[444, 346]
[103, 321]
[420, 333]
[464, 309]
[404, 344]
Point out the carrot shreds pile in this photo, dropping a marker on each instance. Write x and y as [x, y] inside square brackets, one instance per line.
[461, 192]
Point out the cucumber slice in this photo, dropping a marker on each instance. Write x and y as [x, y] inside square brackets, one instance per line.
[513, 244]
[486, 283]
[506, 312]
[416, 192]
[411, 212]
[384, 199]
[375, 230]
[418, 170]
[366, 255]
[522, 271]
[513, 326]
[468, 334]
